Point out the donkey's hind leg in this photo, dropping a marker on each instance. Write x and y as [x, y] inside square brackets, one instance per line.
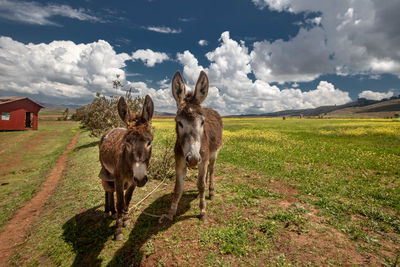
[213, 158]
[106, 205]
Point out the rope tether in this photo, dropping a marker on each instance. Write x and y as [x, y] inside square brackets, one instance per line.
[143, 199]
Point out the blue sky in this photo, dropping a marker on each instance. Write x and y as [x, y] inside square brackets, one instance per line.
[260, 55]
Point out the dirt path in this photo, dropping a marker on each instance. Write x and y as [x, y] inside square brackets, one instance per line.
[16, 228]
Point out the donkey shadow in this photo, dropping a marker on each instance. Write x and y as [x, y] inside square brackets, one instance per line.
[87, 232]
[88, 145]
[145, 227]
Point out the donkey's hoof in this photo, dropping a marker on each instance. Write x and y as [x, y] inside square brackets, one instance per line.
[165, 216]
[119, 237]
[203, 217]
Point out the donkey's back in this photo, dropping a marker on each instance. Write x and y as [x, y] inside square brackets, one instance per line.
[110, 149]
[213, 128]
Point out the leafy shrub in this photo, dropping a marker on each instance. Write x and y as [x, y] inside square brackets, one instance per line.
[162, 164]
[102, 114]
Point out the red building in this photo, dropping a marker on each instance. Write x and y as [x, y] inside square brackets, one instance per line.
[18, 113]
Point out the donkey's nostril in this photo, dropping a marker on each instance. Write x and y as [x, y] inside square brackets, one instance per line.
[192, 161]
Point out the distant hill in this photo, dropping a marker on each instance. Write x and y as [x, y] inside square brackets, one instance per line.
[157, 113]
[381, 109]
[362, 105]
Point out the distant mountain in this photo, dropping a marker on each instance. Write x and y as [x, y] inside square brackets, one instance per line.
[392, 104]
[157, 113]
[382, 109]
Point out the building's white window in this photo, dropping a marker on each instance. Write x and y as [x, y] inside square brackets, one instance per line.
[5, 116]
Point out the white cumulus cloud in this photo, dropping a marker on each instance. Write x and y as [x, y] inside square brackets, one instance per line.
[345, 38]
[149, 57]
[65, 70]
[203, 43]
[233, 92]
[375, 95]
[60, 69]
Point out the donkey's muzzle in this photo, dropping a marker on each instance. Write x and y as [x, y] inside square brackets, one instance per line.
[141, 182]
[192, 161]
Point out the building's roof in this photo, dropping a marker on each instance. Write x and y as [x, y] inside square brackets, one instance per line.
[9, 99]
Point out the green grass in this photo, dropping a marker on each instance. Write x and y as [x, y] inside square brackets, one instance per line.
[350, 165]
[288, 193]
[25, 159]
[51, 112]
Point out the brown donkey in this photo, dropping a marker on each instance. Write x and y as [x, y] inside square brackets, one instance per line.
[199, 138]
[124, 156]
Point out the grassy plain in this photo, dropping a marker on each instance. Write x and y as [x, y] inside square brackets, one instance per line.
[52, 114]
[293, 192]
[25, 159]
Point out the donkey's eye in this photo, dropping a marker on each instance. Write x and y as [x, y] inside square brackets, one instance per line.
[202, 122]
[180, 124]
[149, 143]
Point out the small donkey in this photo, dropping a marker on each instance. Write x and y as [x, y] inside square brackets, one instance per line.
[124, 156]
[199, 138]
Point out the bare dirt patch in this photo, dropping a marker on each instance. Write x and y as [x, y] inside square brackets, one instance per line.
[330, 247]
[17, 227]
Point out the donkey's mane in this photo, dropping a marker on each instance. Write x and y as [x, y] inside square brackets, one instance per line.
[138, 125]
[136, 121]
[190, 99]
[190, 107]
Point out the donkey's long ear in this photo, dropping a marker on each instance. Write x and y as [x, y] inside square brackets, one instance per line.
[148, 108]
[123, 110]
[178, 88]
[201, 90]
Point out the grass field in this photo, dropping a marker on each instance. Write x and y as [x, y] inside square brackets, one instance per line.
[288, 193]
[25, 159]
[52, 115]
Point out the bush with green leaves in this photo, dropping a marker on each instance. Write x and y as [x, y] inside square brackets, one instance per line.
[102, 114]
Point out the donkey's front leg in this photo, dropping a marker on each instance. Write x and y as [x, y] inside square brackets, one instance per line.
[112, 204]
[201, 185]
[119, 189]
[180, 170]
[128, 197]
